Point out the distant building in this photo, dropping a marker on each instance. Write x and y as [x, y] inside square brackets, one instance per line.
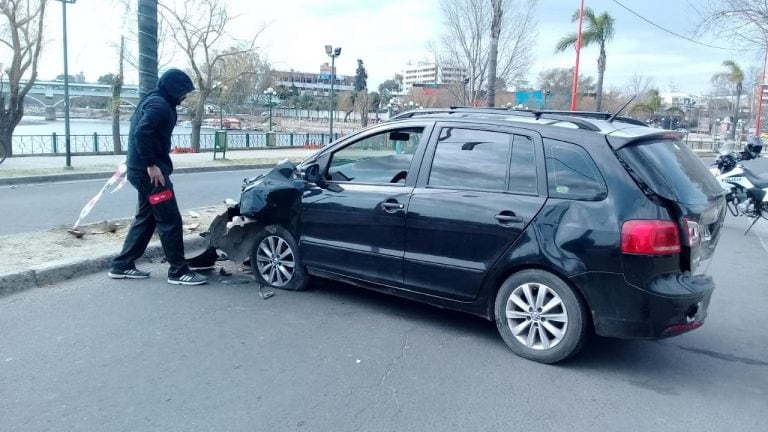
[679, 99]
[431, 73]
[313, 83]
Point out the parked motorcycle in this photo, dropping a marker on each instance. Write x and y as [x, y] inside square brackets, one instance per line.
[746, 191]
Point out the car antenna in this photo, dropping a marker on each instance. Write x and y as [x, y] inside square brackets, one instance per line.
[613, 117]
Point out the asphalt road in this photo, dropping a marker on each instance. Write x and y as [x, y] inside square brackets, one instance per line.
[34, 207]
[96, 354]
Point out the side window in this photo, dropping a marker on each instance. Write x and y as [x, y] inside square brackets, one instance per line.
[522, 168]
[471, 159]
[571, 172]
[381, 158]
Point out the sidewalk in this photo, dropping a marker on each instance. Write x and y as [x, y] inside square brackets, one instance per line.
[39, 169]
[92, 253]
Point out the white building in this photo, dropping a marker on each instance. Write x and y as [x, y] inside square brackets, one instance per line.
[431, 73]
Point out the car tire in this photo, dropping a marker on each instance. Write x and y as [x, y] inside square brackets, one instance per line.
[275, 260]
[540, 317]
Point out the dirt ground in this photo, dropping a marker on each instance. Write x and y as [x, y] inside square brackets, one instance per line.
[29, 250]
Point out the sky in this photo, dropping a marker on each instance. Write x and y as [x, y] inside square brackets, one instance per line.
[386, 34]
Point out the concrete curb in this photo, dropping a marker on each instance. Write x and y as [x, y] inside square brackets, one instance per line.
[53, 178]
[54, 272]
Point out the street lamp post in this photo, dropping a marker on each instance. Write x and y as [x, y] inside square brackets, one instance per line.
[269, 92]
[332, 53]
[466, 81]
[66, 86]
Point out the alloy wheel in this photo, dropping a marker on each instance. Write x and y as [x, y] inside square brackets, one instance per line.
[536, 316]
[275, 261]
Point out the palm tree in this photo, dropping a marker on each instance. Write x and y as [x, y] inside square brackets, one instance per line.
[650, 104]
[599, 31]
[735, 75]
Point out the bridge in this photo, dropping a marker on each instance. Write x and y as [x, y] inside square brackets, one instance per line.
[50, 94]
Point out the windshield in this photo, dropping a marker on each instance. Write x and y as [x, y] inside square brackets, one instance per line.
[672, 170]
[727, 147]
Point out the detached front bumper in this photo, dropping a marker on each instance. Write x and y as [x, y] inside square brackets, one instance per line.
[670, 305]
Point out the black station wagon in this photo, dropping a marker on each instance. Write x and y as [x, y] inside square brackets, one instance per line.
[553, 224]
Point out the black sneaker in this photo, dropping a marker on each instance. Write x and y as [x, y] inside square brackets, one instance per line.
[128, 274]
[190, 278]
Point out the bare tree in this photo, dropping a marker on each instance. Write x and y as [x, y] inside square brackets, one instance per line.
[638, 85]
[199, 27]
[21, 33]
[465, 42]
[167, 50]
[745, 21]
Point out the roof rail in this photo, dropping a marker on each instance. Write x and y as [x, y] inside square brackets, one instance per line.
[556, 118]
[598, 115]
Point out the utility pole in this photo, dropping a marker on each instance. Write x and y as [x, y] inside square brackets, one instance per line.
[575, 89]
[67, 138]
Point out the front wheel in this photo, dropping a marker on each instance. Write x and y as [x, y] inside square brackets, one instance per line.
[275, 260]
[540, 317]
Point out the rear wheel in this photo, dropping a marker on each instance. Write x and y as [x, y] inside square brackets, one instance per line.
[540, 317]
[275, 260]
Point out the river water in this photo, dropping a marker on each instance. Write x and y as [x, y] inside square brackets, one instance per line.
[33, 125]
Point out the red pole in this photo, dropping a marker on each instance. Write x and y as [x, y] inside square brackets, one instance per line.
[760, 97]
[578, 52]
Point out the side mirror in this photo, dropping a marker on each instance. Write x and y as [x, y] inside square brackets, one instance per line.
[312, 173]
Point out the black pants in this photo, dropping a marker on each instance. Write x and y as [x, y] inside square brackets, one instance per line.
[164, 216]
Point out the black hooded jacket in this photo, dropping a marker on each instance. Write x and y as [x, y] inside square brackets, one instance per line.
[149, 139]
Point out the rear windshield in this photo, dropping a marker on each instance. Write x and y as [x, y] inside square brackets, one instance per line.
[672, 170]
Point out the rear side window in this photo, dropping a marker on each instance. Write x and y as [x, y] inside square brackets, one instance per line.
[522, 168]
[571, 172]
[672, 170]
[471, 159]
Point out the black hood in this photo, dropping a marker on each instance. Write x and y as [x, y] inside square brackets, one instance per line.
[174, 84]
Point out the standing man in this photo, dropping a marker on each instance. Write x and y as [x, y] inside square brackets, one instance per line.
[149, 169]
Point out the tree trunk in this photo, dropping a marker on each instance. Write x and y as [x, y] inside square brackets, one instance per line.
[117, 87]
[364, 108]
[197, 123]
[736, 114]
[494, 51]
[10, 116]
[6, 137]
[600, 74]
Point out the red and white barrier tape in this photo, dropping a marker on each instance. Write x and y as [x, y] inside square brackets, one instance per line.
[118, 175]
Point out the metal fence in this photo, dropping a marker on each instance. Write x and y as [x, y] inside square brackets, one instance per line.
[54, 144]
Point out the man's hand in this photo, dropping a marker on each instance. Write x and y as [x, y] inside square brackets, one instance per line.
[155, 176]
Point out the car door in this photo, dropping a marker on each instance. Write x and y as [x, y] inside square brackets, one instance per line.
[354, 224]
[478, 191]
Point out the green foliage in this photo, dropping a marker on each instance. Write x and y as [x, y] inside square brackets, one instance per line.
[375, 100]
[76, 79]
[390, 86]
[107, 79]
[733, 74]
[361, 77]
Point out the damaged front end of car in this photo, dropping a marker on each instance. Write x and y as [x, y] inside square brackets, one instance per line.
[270, 198]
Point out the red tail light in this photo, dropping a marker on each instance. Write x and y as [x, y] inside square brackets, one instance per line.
[650, 237]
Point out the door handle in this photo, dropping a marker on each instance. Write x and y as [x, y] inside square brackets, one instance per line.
[392, 206]
[508, 217]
